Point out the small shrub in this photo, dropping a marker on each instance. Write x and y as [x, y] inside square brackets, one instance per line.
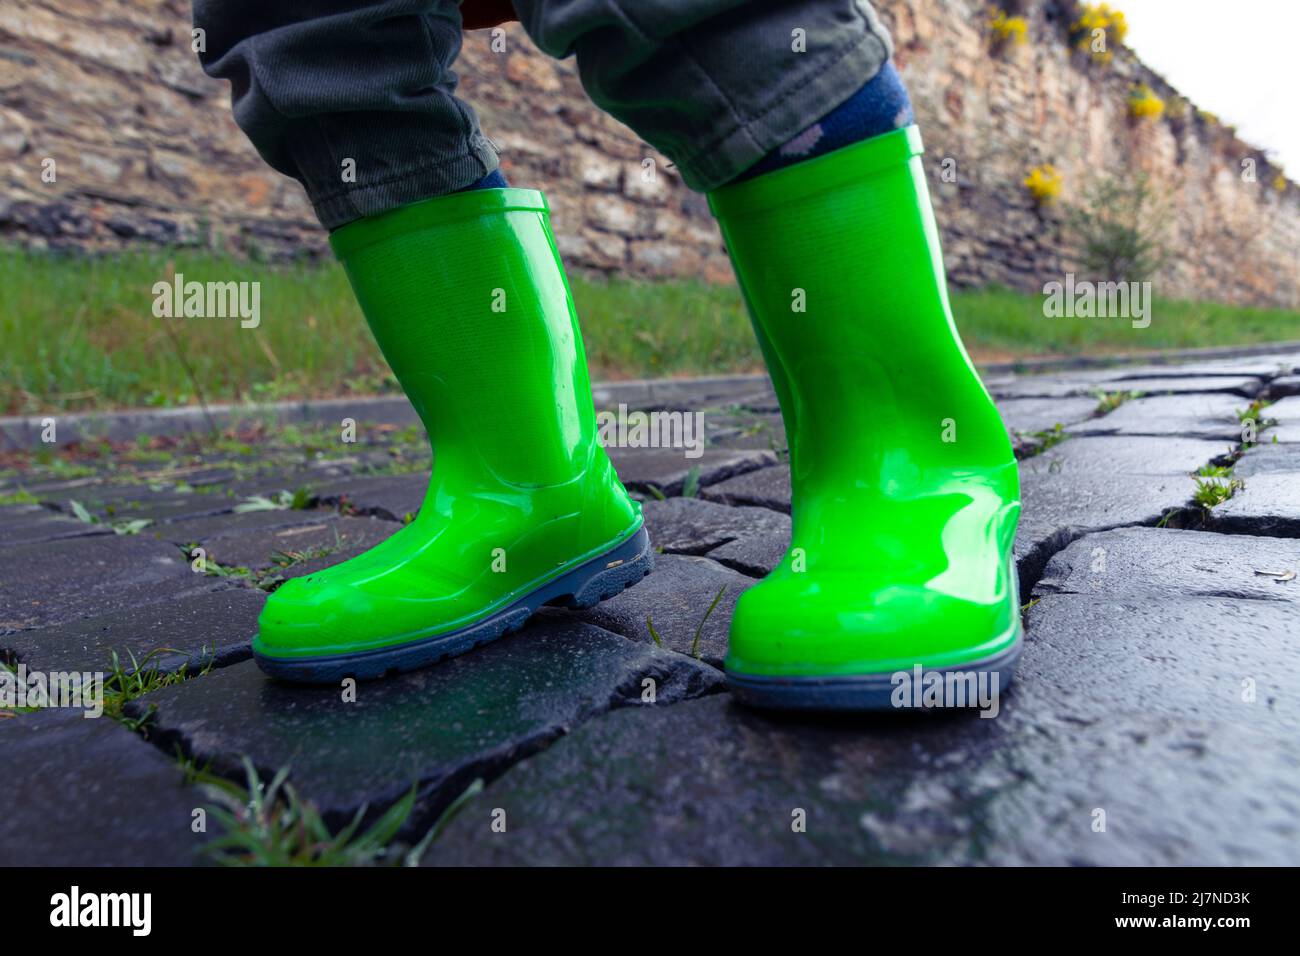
[1008, 31]
[1120, 232]
[1097, 30]
[1144, 104]
[1044, 184]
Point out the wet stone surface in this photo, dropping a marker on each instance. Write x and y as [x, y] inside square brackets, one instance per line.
[439, 728]
[667, 470]
[49, 582]
[88, 792]
[1194, 416]
[675, 602]
[749, 540]
[213, 628]
[1157, 692]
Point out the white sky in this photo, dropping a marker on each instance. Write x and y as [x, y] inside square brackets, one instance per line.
[1238, 59]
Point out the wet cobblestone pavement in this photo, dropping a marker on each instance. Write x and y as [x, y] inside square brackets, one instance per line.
[1154, 719]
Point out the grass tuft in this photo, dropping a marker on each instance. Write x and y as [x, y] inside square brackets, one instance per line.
[269, 824]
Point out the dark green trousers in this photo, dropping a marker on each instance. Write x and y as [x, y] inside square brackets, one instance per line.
[714, 85]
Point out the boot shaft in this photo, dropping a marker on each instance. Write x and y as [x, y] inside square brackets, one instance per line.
[840, 264]
[468, 301]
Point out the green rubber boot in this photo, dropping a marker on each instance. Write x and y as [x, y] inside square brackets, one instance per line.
[468, 301]
[900, 575]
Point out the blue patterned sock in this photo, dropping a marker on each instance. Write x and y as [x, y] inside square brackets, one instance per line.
[493, 180]
[879, 107]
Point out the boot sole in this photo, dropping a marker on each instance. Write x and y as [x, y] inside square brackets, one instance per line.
[860, 692]
[596, 580]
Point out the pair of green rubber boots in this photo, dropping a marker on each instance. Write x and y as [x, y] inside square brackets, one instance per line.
[905, 491]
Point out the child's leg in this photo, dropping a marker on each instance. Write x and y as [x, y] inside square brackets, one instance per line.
[355, 100]
[905, 490]
[466, 296]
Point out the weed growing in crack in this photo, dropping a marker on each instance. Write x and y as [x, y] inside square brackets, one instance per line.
[1049, 437]
[300, 499]
[1215, 491]
[1253, 422]
[19, 497]
[691, 486]
[132, 526]
[124, 684]
[699, 630]
[695, 643]
[269, 824]
[1107, 402]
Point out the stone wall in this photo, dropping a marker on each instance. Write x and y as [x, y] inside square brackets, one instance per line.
[999, 114]
[145, 151]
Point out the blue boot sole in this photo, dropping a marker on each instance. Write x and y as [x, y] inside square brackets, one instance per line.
[585, 586]
[868, 692]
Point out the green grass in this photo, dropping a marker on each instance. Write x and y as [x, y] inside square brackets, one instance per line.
[78, 332]
[999, 323]
[269, 824]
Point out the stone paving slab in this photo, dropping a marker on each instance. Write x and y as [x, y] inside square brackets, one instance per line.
[389, 496]
[1190, 416]
[441, 727]
[233, 525]
[1044, 414]
[25, 524]
[1268, 504]
[88, 792]
[1168, 563]
[765, 488]
[666, 469]
[1246, 386]
[1092, 484]
[1267, 458]
[256, 549]
[749, 540]
[675, 598]
[1287, 413]
[54, 581]
[136, 503]
[210, 628]
[708, 783]
[746, 429]
[667, 393]
[1284, 386]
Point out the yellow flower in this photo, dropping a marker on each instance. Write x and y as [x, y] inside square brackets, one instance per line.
[1143, 103]
[1044, 183]
[1008, 30]
[1092, 18]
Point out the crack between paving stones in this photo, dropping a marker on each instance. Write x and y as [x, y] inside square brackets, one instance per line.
[434, 796]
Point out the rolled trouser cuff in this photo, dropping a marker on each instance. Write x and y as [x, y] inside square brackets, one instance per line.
[337, 204]
[714, 85]
[795, 106]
